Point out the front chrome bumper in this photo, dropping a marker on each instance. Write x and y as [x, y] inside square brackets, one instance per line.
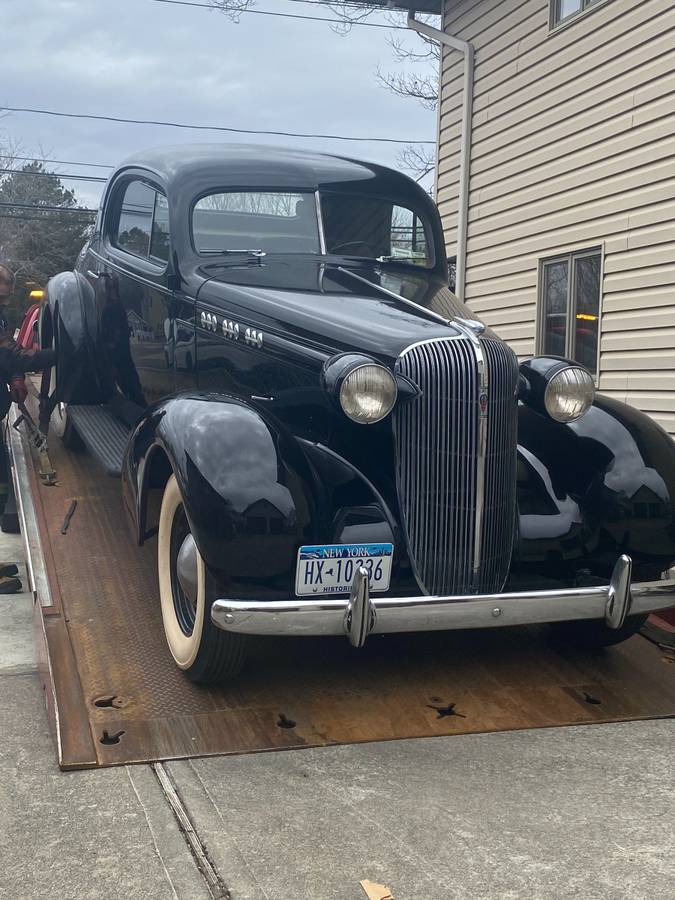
[363, 614]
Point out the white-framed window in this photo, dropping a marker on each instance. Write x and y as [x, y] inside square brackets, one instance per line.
[569, 306]
[562, 10]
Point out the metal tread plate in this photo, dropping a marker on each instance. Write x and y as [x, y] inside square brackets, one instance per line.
[104, 436]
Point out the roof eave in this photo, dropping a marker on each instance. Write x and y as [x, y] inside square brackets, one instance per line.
[433, 7]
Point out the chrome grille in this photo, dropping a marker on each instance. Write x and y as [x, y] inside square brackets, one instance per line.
[456, 467]
[499, 510]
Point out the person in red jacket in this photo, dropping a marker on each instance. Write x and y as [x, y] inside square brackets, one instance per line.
[14, 360]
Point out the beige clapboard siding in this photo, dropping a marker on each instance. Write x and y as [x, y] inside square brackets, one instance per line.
[504, 72]
[573, 147]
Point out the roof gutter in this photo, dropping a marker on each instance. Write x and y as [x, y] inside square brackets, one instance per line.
[465, 48]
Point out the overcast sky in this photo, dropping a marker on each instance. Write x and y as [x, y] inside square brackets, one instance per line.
[143, 59]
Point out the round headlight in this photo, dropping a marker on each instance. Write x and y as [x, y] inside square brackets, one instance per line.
[368, 393]
[569, 394]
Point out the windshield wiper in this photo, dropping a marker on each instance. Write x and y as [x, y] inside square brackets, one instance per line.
[257, 253]
[402, 258]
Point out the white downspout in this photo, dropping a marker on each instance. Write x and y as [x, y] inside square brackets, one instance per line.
[465, 48]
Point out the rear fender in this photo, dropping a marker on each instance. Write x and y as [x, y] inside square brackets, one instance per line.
[69, 324]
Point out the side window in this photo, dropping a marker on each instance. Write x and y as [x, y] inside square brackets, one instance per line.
[159, 241]
[143, 227]
[408, 239]
[135, 223]
[569, 305]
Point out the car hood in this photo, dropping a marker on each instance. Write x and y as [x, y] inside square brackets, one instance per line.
[376, 309]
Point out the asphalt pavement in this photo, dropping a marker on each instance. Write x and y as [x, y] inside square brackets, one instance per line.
[550, 814]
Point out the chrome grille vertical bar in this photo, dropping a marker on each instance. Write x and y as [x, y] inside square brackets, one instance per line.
[500, 484]
[481, 402]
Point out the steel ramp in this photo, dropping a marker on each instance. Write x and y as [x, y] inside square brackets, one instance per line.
[116, 696]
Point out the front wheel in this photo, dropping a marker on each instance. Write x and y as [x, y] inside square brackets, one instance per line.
[204, 652]
[594, 633]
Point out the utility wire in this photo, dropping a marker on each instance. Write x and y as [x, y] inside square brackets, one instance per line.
[58, 162]
[67, 209]
[279, 15]
[52, 175]
[298, 134]
[352, 3]
[23, 217]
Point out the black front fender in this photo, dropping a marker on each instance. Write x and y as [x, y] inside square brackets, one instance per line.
[594, 489]
[245, 484]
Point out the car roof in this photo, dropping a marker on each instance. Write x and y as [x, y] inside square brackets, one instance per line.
[191, 166]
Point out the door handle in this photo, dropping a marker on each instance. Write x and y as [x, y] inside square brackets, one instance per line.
[93, 275]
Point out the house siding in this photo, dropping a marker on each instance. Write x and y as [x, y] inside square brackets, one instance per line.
[573, 147]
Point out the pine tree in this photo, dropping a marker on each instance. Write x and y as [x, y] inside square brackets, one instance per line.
[37, 243]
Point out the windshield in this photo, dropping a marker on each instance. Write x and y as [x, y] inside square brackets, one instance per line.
[285, 222]
[374, 227]
[267, 221]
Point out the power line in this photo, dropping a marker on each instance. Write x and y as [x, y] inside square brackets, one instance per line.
[52, 175]
[24, 218]
[58, 162]
[352, 3]
[279, 15]
[71, 162]
[67, 209]
[297, 134]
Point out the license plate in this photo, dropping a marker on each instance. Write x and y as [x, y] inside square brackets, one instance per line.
[330, 568]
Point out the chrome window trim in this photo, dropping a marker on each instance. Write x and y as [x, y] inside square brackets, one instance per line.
[319, 220]
[129, 274]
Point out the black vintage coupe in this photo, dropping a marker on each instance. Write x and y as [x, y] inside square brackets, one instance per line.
[264, 340]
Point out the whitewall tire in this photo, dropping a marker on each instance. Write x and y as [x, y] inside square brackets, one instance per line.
[205, 653]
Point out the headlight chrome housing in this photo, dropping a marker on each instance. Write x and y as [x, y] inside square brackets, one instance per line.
[368, 393]
[362, 388]
[558, 388]
[569, 394]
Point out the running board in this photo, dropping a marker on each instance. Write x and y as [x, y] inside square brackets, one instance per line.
[102, 433]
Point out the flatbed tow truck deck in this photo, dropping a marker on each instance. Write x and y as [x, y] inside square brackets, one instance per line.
[114, 695]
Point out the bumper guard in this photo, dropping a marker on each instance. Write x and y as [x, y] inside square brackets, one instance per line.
[362, 614]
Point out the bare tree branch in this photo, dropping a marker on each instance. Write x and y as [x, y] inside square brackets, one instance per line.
[232, 8]
[420, 84]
